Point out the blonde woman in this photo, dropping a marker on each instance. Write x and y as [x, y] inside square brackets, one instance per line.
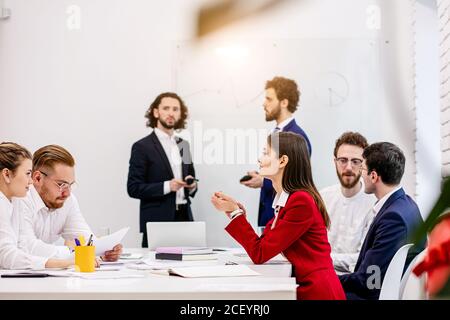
[15, 178]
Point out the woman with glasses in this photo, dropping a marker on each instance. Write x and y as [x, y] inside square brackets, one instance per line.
[299, 228]
[15, 178]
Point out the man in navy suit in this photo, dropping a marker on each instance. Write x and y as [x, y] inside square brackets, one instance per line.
[161, 166]
[396, 218]
[281, 101]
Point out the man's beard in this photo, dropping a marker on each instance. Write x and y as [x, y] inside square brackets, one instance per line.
[351, 184]
[274, 115]
[52, 204]
[169, 126]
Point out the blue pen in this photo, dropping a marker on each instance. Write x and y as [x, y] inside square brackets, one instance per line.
[77, 242]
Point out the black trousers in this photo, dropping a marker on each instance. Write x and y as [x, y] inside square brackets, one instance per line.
[180, 215]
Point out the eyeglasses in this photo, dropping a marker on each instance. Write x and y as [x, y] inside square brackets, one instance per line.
[63, 186]
[355, 162]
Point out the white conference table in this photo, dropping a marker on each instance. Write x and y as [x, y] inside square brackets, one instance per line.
[274, 283]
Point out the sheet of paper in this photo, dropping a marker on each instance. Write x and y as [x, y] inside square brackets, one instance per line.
[107, 275]
[131, 256]
[108, 242]
[243, 258]
[153, 264]
[104, 274]
[214, 271]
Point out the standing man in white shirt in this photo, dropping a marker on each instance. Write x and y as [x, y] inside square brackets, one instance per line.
[161, 173]
[50, 211]
[349, 207]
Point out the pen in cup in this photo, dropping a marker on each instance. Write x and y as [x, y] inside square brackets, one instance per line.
[82, 240]
[90, 240]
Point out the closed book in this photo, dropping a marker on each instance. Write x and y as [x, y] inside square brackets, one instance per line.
[185, 257]
[184, 250]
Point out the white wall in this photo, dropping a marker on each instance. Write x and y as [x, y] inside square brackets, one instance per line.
[444, 86]
[88, 89]
[427, 103]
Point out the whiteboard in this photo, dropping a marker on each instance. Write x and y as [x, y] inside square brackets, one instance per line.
[223, 87]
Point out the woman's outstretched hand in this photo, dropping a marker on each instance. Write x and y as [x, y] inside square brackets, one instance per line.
[225, 203]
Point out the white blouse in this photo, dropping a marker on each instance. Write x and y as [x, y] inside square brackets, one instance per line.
[11, 257]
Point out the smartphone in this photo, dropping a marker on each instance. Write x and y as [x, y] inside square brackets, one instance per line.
[190, 181]
[245, 178]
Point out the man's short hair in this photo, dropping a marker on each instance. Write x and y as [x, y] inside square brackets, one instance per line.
[48, 156]
[387, 160]
[285, 89]
[350, 138]
[152, 122]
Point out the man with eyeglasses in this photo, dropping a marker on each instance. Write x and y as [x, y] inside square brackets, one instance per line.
[50, 211]
[349, 207]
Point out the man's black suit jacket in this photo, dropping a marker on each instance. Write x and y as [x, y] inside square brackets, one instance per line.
[149, 168]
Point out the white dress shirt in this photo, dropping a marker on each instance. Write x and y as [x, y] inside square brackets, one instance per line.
[43, 227]
[11, 257]
[278, 203]
[172, 151]
[282, 125]
[350, 220]
[380, 203]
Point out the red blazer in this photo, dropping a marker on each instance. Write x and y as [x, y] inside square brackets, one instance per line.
[301, 235]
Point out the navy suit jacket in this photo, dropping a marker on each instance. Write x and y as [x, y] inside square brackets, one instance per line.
[149, 168]
[267, 193]
[391, 228]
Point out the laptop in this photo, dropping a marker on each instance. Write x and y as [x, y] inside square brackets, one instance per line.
[173, 234]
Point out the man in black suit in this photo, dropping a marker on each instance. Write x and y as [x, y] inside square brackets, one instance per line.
[161, 166]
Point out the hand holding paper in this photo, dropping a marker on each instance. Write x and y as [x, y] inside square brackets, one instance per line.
[109, 242]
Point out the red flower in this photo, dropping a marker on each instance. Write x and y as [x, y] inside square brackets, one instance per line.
[437, 260]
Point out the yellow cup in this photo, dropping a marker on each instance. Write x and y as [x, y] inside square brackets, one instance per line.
[85, 258]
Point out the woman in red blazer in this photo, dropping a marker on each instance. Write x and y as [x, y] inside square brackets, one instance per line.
[299, 228]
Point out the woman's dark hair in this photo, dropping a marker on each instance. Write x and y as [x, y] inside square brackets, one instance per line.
[152, 121]
[297, 173]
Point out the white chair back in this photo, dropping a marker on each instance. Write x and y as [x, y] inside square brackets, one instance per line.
[390, 289]
[174, 234]
[411, 286]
